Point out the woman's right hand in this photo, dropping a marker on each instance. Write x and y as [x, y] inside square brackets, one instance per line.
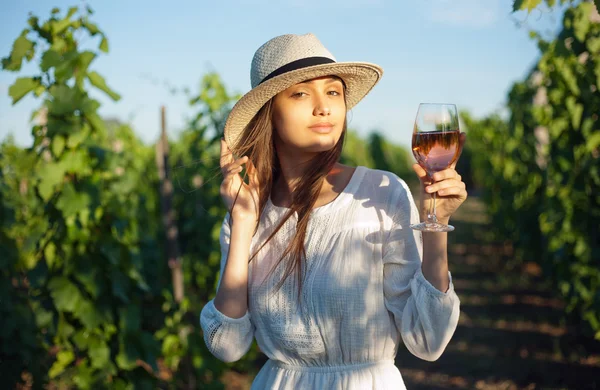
[246, 205]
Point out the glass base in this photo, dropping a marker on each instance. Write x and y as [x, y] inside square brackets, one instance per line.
[432, 227]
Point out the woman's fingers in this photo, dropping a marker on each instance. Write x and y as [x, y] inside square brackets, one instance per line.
[446, 187]
[227, 163]
[237, 165]
[253, 174]
[446, 182]
[446, 174]
[226, 155]
[450, 191]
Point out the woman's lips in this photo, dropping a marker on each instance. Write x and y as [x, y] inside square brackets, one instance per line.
[323, 128]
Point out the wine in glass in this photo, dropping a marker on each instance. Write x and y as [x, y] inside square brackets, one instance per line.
[436, 146]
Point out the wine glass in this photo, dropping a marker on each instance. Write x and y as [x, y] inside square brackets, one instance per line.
[436, 146]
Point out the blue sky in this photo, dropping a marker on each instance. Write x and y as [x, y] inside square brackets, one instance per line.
[467, 52]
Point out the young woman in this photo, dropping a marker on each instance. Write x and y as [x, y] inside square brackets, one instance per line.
[319, 263]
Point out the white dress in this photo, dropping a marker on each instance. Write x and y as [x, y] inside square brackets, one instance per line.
[363, 291]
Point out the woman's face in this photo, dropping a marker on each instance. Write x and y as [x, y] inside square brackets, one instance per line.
[310, 115]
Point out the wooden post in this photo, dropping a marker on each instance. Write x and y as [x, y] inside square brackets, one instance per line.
[168, 214]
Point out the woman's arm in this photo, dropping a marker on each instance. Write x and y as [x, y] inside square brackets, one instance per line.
[225, 320]
[435, 259]
[232, 294]
[451, 193]
[426, 316]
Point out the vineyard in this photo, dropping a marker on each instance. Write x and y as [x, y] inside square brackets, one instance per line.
[86, 285]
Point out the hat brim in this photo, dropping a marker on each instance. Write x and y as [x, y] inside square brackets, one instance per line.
[359, 77]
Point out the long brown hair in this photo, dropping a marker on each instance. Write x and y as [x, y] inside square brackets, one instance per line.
[258, 143]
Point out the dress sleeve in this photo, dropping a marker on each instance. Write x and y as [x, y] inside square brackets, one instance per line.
[228, 339]
[425, 317]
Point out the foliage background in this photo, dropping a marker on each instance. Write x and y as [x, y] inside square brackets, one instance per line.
[85, 285]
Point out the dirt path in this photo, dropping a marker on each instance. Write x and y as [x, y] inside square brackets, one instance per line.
[510, 335]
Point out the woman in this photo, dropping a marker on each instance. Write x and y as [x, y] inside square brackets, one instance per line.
[319, 263]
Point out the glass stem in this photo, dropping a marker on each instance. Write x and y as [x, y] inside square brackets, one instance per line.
[432, 216]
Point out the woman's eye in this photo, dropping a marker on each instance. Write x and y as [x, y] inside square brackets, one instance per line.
[333, 93]
[299, 94]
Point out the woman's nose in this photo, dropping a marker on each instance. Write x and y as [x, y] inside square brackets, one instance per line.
[322, 108]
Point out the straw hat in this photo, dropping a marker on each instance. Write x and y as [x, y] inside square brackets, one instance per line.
[290, 59]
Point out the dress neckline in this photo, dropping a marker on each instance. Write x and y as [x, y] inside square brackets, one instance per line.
[342, 199]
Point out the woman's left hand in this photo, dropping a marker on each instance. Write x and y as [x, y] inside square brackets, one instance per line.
[451, 190]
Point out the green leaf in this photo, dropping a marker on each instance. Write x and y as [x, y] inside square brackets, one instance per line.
[43, 318]
[50, 254]
[72, 202]
[529, 5]
[32, 21]
[60, 26]
[593, 45]
[91, 281]
[49, 175]
[64, 70]
[64, 330]
[104, 45]
[76, 138]
[22, 87]
[50, 59]
[99, 354]
[96, 122]
[570, 78]
[85, 59]
[38, 276]
[89, 315]
[91, 27]
[130, 318]
[120, 384]
[65, 99]
[72, 11]
[581, 24]
[65, 294]
[120, 285]
[170, 344]
[58, 145]
[82, 338]
[593, 142]
[89, 106]
[63, 359]
[128, 355]
[141, 283]
[98, 82]
[39, 90]
[58, 44]
[55, 10]
[576, 110]
[84, 378]
[76, 161]
[22, 47]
